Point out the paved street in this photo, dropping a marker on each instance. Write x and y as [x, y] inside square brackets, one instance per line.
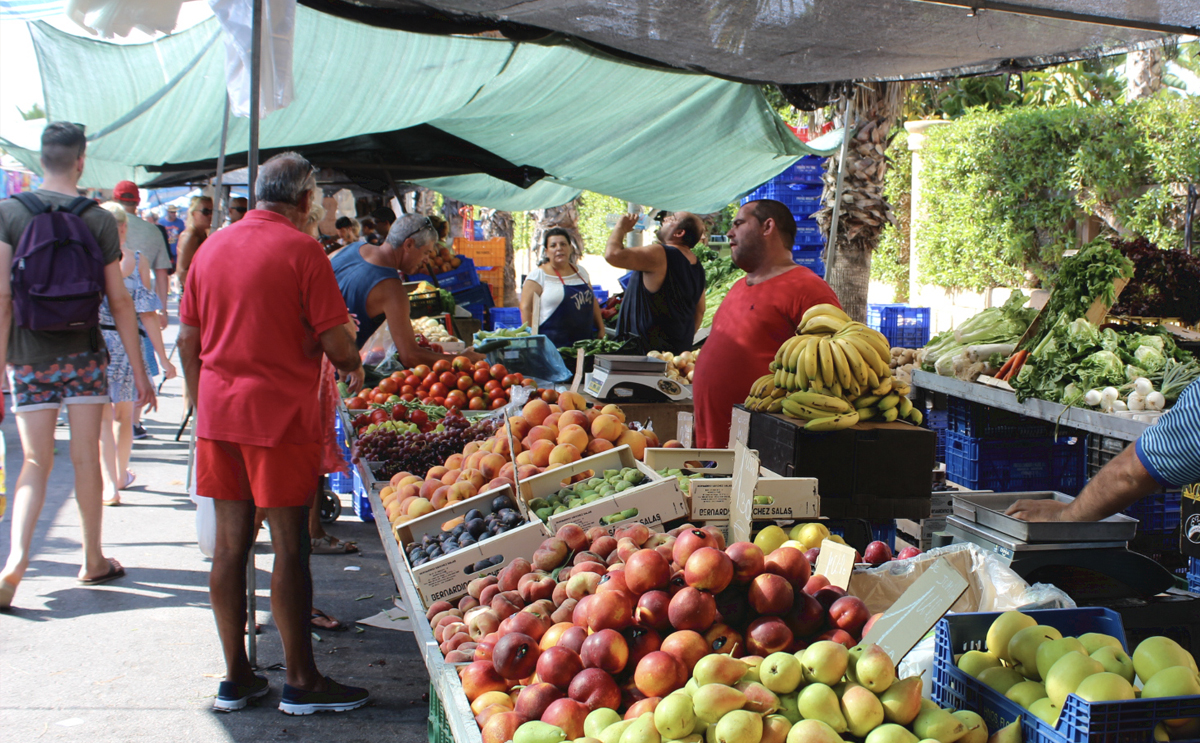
[138, 659]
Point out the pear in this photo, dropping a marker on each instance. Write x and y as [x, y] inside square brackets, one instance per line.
[1002, 630]
[862, 710]
[1156, 653]
[789, 707]
[693, 738]
[718, 668]
[781, 673]
[710, 733]
[1001, 679]
[875, 670]
[1176, 681]
[642, 730]
[1049, 652]
[813, 731]
[540, 732]
[890, 733]
[712, 701]
[759, 698]
[740, 726]
[819, 702]
[1115, 660]
[753, 663]
[1022, 648]
[1093, 641]
[856, 652]
[902, 700]
[674, 716]
[975, 662]
[840, 689]
[1106, 687]
[1160, 733]
[691, 686]
[977, 731]
[770, 539]
[928, 704]
[1066, 675]
[599, 719]
[613, 733]
[1045, 710]
[939, 725]
[1010, 733]
[1187, 728]
[1026, 693]
[824, 662]
[775, 729]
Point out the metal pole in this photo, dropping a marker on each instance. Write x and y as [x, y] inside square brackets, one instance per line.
[255, 94]
[218, 192]
[847, 125]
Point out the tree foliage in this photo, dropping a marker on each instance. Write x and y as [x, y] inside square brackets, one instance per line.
[890, 262]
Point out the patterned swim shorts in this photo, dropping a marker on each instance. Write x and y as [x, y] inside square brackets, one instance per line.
[76, 378]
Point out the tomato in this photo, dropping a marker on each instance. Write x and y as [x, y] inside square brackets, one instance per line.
[366, 394]
[481, 376]
[379, 415]
[464, 382]
[519, 376]
[421, 370]
[408, 389]
[498, 371]
[529, 383]
[441, 365]
[388, 385]
[427, 426]
[498, 394]
[457, 398]
[481, 364]
[380, 397]
[393, 398]
[418, 417]
[356, 403]
[412, 380]
[550, 396]
[477, 403]
[499, 403]
[439, 401]
[428, 401]
[449, 378]
[491, 384]
[460, 363]
[408, 397]
[474, 391]
[430, 379]
[509, 380]
[438, 390]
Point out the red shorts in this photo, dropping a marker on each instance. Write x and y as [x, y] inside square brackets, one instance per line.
[277, 476]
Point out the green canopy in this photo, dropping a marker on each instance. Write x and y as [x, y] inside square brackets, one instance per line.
[675, 140]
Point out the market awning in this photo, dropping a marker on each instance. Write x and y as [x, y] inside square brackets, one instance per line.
[810, 41]
[673, 139]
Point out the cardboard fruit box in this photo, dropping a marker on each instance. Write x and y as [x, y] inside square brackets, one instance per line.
[431, 523]
[654, 502]
[447, 577]
[709, 497]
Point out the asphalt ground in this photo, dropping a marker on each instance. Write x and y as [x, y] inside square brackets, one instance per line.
[138, 659]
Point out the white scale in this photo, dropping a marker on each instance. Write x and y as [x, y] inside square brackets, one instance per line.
[634, 379]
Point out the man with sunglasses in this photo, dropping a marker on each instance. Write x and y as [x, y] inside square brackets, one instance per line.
[371, 278]
[237, 209]
[146, 238]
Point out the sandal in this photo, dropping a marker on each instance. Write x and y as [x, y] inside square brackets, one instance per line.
[111, 501]
[331, 545]
[114, 571]
[321, 620]
[129, 478]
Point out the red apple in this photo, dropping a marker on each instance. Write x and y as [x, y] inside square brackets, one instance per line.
[642, 641]
[908, 552]
[607, 650]
[877, 553]
[689, 541]
[767, 635]
[572, 639]
[692, 609]
[658, 674]
[748, 561]
[687, 646]
[652, 611]
[533, 700]
[609, 610]
[839, 636]
[806, 617]
[815, 583]
[515, 656]
[708, 569]
[646, 570]
[849, 613]
[568, 715]
[827, 595]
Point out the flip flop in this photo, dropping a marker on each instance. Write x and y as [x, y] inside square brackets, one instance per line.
[331, 545]
[129, 478]
[321, 620]
[114, 571]
[112, 502]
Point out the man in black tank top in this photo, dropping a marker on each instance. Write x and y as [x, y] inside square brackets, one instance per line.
[665, 299]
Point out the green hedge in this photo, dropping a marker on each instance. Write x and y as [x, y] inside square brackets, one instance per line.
[1002, 188]
[889, 263]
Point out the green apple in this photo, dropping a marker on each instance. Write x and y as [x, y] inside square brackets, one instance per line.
[975, 662]
[1026, 693]
[1045, 710]
[1066, 675]
[1156, 653]
[1049, 652]
[1022, 648]
[1000, 679]
[1104, 687]
[1115, 660]
[1093, 641]
[1002, 630]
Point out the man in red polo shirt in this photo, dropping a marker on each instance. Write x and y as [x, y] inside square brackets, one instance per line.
[760, 312]
[261, 307]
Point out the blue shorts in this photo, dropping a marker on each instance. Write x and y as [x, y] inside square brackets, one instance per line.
[71, 379]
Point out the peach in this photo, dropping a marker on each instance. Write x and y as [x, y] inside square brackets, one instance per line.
[724, 639]
[473, 476]
[470, 448]
[501, 727]
[523, 460]
[574, 418]
[658, 674]
[564, 454]
[770, 594]
[419, 508]
[592, 687]
[572, 638]
[767, 635]
[791, 564]
[535, 698]
[614, 411]
[429, 486]
[689, 541]
[481, 677]
[515, 655]
[450, 477]
[641, 706]
[646, 570]
[551, 637]
[603, 545]
[567, 715]
[606, 427]
[525, 470]
[571, 401]
[748, 561]
[487, 593]
[687, 646]
[485, 700]
[507, 471]
[652, 611]
[500, 482]
[635, 441]
[607, 650]
[454, 461]
[490, 465]
[673, 444]
[500, 446]
[535, 411]
[609, 610]
[574, 536]
[692, 609]
[491, 711]
[519, 427]
[440, 498]
[595, 446]
[436, 472]
[708, 569]
[573, 435]
[716, 535]
[651, 437]
[540, 452]
[552, 419]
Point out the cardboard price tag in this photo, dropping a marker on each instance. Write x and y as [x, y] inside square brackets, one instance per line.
[836, 562]
[741, 503]
[917, 610]
[739, 428]
[683, 429]
[578, 370]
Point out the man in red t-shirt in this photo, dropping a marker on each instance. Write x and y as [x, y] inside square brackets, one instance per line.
[760, 312]
[260, 309]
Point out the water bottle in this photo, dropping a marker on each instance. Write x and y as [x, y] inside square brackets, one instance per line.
[611, 222]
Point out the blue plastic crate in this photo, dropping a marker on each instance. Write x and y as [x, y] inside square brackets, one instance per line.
[362, 504]
[1157, 513]
[808, 232]
[1193, 575]
[985, 422]
[601, 294]
[506, 317]
[1017, 465]
[624, 280]
[810, 259]
[808, 169]
[342, 484]
[903, 326]
[1080, 722]
[938, 421]
[801, 199]
[459, 279]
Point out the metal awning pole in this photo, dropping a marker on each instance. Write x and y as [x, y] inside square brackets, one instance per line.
[218, 192]
[847, 130]
[255, 93]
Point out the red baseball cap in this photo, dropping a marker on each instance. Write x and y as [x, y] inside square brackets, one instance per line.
[127, 191]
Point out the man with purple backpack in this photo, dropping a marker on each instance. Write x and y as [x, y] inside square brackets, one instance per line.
[58, 258]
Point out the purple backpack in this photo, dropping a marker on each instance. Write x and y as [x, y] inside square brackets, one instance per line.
[57, 268]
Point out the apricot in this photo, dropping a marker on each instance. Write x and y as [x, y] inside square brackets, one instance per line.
[536, 411]
[606, 427]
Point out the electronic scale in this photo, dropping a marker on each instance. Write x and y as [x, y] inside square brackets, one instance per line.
[618, 379]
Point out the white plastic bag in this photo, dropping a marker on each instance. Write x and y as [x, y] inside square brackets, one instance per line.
[278, 38]
[206, 519]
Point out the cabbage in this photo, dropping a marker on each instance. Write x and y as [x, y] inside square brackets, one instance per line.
[1101, 369]
[1150, 358]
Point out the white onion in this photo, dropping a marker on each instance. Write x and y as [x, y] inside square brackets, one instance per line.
[1136, 401]
[1119, 405]
[1155, 401]
[1108, 395]
[1092, 398]
[1143, 386]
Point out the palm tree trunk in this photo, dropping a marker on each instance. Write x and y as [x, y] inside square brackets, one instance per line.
[565, 216]
[500, 224]
[1144, 73]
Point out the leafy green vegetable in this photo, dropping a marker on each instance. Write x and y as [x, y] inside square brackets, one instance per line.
[1081, 280]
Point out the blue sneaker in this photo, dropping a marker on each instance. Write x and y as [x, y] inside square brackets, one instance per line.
[232, 697]
[336, 698]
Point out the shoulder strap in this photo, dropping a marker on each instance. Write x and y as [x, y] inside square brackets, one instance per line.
[80, 204]
[31, 202]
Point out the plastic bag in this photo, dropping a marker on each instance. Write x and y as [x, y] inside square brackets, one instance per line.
[206, 519]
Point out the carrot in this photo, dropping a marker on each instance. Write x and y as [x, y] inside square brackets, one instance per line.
[1007, 365]
[1019, 359]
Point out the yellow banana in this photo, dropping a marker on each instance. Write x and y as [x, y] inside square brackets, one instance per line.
[796, 410]
[789, 381]
[801, 377]
[889, 402]
[816, 384]
[852, 327]
[778, 376]
[867, 413]
[877, 340]
[905, 406]
[821, 402]
[794, 354]
[872, 379]
[866, 401]
[901, 388]
[841, 367]
[775, 406]
[824, 309]
[868, 352]
[822, 324]
[825, 359]
[916, 416]
[854, 391]
[810, 359]
[836, 423]
[889, 415]
[884, 387]
[777, 393]
[857, 365]
[835, 389]
[787, 350]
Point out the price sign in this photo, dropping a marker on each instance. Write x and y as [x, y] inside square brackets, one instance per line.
[578, 370]
[739, 428]
[683, 429]
[917, 610]
[741, 504]
[836, 562]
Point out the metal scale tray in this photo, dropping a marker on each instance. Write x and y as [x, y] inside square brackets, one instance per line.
[988, 511]
[617, 364]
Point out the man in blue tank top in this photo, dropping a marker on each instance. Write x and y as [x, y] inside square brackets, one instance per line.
[664, 301]
[371, 278]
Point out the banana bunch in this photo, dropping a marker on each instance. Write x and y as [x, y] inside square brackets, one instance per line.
[765, 396]
[841, 360]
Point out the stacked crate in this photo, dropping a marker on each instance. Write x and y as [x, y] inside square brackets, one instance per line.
[799, 188]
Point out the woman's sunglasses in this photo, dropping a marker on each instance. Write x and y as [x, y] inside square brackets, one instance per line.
[206, 212]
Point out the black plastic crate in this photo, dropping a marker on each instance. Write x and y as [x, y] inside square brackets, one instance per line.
[985, 422]
[424, 304]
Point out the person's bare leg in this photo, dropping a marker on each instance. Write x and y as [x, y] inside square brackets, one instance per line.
[114, 476]
[291, 594]
[36, 429]
[85, 421]
[123, 417]
[315, 530]
[227, 584]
